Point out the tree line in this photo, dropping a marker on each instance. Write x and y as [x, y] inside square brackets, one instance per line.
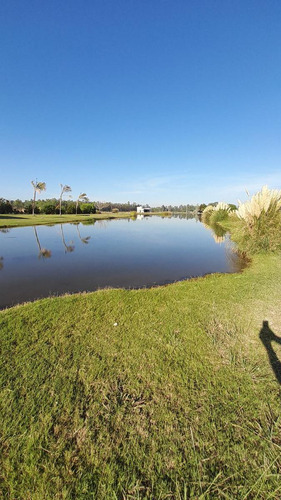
[80, 205]
[47, 206]
[52, 206]
[84, 206]
[175, 208]
[38, 187]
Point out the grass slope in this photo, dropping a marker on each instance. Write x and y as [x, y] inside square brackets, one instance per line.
[15, 220]
[178, 400]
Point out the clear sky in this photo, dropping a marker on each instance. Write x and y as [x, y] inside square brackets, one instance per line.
[153, 101]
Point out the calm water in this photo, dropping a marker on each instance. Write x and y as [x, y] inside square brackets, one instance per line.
[40, 261]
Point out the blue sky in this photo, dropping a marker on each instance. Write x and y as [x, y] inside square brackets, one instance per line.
[153, 101]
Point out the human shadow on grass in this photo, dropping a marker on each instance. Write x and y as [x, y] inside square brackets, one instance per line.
[267, 336]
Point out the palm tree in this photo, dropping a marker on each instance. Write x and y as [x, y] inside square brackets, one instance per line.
[64, 189]
[38, 187]
[81, 197]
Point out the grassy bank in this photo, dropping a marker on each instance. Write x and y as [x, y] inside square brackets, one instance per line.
[15, 220]
[19, 220]
[170, 392]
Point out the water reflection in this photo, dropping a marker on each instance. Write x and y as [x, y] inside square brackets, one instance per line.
[146, 252]
[218, 230]
[90, 222]
[43, 252]
[86, 239]
[68, 248]
[186, 216]
[103, 223]
[218, 233]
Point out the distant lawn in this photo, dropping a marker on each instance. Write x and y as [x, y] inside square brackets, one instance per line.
[15, 220]
[167, 393]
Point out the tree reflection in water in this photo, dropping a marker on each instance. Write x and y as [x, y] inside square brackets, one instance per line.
[237, 261]
[218, 232]
[68, 248]
[43, 252]
[84, 240]
[3, 230]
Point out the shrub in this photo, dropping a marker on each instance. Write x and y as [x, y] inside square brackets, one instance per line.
[256, 223]
[49, 208]
[88, 208]
[71, 208]
[5, 207]
[218, 215]
[213, 214]
[115, 210]
[28, 209]
[202, 207]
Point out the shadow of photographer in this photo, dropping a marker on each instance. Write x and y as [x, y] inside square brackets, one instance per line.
[267, 336]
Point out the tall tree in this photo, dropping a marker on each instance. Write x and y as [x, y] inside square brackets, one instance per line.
[102, 204]
[64, 189]
[81, 197]
[37, 188]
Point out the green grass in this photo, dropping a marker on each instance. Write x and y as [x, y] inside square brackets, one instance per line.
[15, 220]
[156, 394]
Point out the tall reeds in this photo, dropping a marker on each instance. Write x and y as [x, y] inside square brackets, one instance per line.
[258, 222]
[214, 213]
[267, 202]
[256, 225]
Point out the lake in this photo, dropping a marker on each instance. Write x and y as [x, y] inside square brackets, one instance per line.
[39, 261]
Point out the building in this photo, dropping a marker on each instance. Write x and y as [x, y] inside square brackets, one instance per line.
[143, 210]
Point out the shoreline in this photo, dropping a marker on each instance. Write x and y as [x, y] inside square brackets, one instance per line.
[18, 220]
